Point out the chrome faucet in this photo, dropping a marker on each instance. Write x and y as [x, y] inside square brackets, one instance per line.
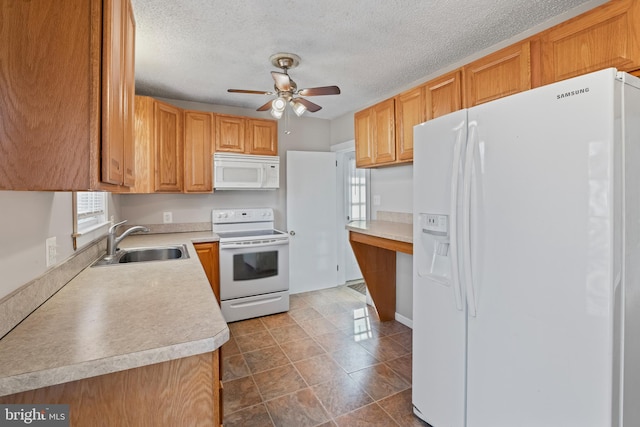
[112, 240]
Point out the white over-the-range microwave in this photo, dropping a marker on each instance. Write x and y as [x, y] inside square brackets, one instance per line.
[245, 172]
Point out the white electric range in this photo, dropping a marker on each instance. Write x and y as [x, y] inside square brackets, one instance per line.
[254, 263]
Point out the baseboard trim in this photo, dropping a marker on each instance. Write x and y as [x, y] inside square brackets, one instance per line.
[404, 320]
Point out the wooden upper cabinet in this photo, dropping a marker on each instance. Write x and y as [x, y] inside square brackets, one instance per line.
[62, 105]
[606, 36]
[375, 135]
[129, 96]
[443, 95]
[364, 137]
[230, 135]
[173, 148]
[118, 161]
[410, 111]
[168, 147]
[198, 149]
[499, 74]
[113, 93]
[238, 134]
[262, 137]
[384, 135]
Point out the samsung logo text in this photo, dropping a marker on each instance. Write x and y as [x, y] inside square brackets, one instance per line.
[572, 93]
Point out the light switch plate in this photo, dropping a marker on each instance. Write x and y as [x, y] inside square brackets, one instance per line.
[167, 217]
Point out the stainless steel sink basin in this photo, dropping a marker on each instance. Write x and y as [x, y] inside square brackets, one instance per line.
[156, 253]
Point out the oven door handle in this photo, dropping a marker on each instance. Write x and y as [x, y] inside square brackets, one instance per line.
[238, 245]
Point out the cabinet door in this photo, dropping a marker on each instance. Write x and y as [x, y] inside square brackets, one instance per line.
[128, 89]
[168, 147]
[112, 90]
[500, 74]
[230, 133]
[262, 137]
[443, 95]
[410, 111]
[603, 37]
[364, 137]
[384, 133]
[198, 137]
[209, 258]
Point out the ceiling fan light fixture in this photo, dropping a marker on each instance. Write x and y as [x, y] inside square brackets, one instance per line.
[276, 114]
[298, 107]
[278, 104]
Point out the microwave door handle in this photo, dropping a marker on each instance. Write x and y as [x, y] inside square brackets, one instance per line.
[261, 177]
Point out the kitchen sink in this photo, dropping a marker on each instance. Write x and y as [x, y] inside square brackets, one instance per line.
[155, 253]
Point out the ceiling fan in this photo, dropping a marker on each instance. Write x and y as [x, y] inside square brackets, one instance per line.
[287, 91]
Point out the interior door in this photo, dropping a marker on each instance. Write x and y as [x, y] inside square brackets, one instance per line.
[311, 220]
[355, 209]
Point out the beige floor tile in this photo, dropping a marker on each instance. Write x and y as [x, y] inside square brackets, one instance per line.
[244, 327]
[370, 416]
[341, 395]
[301, 349]
[254, 416]
[240, 394]
[234, 367]
[288, 333]
[265, 359]
[379, 381]
[299, 409]
[319, 369]
[278, 320]
[278, 382]
[255, 341]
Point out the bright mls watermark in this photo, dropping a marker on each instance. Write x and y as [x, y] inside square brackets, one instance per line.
[34, 415]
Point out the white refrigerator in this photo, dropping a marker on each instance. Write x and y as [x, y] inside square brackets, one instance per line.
[526, 262]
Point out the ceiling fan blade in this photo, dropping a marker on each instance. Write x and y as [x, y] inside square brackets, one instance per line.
[265, 107]
[311, 107]
[283, 82]
[324, 90]
[254, 92]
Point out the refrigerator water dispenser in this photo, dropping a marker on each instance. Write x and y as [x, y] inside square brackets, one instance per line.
[435, 242]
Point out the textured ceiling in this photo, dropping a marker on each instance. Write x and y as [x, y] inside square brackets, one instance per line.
[197, 49]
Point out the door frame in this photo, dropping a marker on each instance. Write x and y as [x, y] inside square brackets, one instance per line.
[341, 150]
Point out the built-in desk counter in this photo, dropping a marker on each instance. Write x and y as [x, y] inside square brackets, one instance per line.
[375, 244]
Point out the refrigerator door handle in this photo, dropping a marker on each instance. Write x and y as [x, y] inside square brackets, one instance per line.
[466, 218]
[453, 223]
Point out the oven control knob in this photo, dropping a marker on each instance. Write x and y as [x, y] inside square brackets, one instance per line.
[293, 233]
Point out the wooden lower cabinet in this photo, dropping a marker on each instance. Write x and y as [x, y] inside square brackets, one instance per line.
[210, 260]
[181, 392]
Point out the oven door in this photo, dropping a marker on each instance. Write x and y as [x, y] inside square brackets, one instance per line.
[248, 268]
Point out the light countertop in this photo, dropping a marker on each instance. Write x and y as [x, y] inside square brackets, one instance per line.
[399, 231]
[112, 318]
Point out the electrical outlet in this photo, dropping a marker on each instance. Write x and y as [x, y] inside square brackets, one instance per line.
[50, 247]
[376, 200]
[167, 217]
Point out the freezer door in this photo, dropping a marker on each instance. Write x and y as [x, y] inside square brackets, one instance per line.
[540, 344]
[438, 312]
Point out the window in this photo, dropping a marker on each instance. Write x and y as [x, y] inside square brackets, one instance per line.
[356, 191]
[90, 216]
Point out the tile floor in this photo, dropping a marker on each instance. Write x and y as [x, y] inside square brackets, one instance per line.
[329, 361]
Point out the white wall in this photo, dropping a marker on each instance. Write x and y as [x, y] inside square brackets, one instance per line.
[27, 219]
